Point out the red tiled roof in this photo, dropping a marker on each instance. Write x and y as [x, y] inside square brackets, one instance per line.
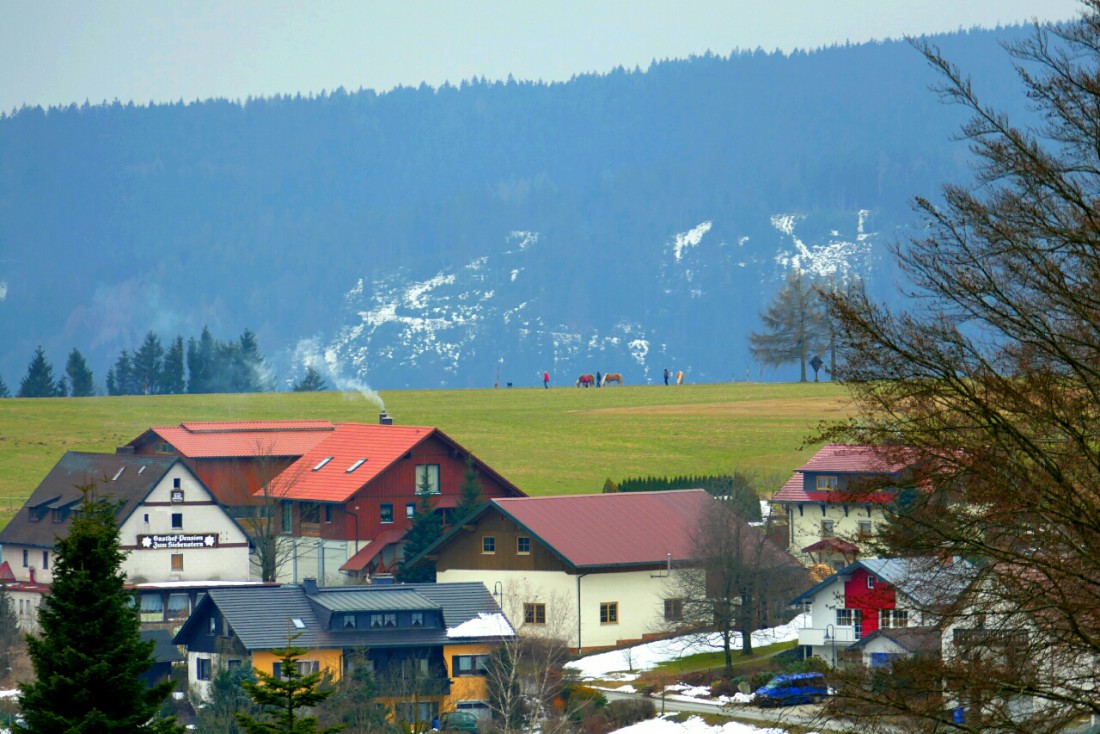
[835, 458]
[843, 458]
[218, 439]
[613, 529]
[380, 445]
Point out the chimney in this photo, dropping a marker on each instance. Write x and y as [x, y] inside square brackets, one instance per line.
[385, 419]
[310, 586]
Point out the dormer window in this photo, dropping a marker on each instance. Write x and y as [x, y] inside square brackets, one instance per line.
[826, 483]
[322, 462]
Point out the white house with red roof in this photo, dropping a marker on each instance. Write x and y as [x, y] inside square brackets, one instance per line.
[838, 499]
[598, 570]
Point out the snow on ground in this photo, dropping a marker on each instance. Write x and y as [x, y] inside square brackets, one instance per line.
[695, 725]
[611, 665]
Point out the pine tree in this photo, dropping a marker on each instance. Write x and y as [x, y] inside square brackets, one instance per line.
[39, 381]
[90, 654]
[311, 382]
[148, 362]
[80, 377]
[120, 378]
[4, 389]
[425, 529]
[470, 497]
[171, 373]
[253, 369]
[794, 325]
[200, 362]
[284, 696]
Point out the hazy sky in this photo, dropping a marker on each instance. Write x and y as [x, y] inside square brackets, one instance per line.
[61, 51]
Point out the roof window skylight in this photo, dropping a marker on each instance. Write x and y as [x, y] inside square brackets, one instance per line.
[118, 474]
[298, 623]
[356, 465]
[322, 462]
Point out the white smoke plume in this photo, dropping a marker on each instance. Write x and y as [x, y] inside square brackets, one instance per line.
[309, 353]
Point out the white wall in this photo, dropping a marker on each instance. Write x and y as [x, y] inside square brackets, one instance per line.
[640, 596]
[228, 561]
[806, 526]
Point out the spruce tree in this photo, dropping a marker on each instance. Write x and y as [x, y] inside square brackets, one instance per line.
[470, 497]
[425, 529]
[4, 389]
[148, 362]
[284, 696]
[80, 377]
[171, 374]
[120, 378]
[311, 382]
[39, 381]
[89, 656]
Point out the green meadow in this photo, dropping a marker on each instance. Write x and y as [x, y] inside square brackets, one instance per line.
[557, 441]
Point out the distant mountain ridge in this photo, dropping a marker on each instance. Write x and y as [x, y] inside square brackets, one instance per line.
[456, 236]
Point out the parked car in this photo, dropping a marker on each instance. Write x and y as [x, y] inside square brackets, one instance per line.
[461, 721]
[791, 689]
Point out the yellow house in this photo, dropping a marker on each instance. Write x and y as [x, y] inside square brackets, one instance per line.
[427, 644]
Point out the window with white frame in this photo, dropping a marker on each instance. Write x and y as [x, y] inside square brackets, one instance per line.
[865, 528]
[828, 528]
[846, 617]
[427, 475]
[893, 618]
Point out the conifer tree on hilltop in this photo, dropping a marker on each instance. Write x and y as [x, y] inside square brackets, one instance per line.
[311, 382]
[89, 656]
[794, 325]
[39, 380]
[81, 383]
[4, 389]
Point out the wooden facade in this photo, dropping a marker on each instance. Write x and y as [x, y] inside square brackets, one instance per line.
[467, 549]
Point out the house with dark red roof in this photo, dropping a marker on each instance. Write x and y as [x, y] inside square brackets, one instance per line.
[598, 570]
[838, 500]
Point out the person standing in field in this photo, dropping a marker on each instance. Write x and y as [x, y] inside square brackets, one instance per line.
[666, 376]
[679, 377]
[546, 380]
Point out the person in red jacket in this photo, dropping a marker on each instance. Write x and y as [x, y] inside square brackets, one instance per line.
[546, 380]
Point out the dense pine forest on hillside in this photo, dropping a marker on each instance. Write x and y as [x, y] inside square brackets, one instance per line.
[295, 216]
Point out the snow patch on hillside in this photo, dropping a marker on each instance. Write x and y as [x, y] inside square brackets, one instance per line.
[691, 238]
[837, 258]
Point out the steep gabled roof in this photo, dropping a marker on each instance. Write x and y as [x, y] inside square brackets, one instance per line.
[226, 439]
[835, 458]
[353, 454]
[123, 478]
[614, 529]
[927, 582]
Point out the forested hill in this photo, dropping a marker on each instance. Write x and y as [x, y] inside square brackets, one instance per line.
[423, 237]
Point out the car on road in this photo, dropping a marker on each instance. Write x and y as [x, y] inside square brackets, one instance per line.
[791, 689]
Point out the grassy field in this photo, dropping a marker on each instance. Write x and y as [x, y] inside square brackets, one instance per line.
[557, 441]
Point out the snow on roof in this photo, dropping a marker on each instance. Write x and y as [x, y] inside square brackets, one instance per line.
[483, 625]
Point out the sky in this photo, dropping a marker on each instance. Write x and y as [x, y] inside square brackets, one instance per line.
[57, 52]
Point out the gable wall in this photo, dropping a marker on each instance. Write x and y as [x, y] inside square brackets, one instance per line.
[464, 550]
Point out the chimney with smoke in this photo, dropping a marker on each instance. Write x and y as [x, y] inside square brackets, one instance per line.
[385, 419]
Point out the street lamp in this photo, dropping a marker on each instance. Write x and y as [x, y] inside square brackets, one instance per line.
[830, 634]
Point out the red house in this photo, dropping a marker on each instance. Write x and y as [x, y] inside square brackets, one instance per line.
[348, 500]
[875, 594]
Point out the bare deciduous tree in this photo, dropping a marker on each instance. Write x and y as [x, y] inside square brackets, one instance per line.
[995, 386]
[737, 582]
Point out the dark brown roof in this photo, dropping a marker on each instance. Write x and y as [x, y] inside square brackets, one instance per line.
[615, 529]
[119, 477]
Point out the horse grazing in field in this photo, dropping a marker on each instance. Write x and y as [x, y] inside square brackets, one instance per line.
[613, 377]
[586, 381]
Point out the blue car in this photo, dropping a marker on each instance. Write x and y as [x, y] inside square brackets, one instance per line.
[791, 689]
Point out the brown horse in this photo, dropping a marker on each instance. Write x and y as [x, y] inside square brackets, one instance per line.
[586, 381]
[612, 377]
